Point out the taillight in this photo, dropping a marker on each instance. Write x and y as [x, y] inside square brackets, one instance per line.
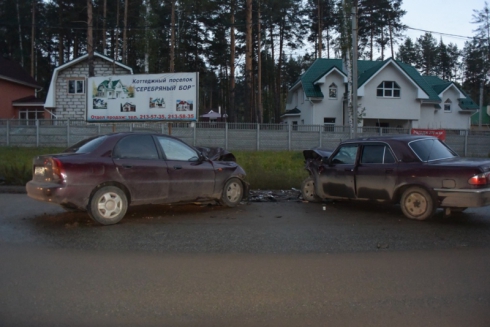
[57, 169]
[480, 179]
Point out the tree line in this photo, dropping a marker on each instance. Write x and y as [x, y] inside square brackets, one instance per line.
[248, 53]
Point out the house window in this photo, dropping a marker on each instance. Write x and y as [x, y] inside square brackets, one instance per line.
[332, 91]
[29, 116]
[76, 86]
[388, 90]
[329, 124]
[447, 106]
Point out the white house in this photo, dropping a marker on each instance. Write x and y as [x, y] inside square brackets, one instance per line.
[390, 94]
[67, 94]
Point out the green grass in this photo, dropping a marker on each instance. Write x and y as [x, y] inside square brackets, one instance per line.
[16, 163]
[273, 170]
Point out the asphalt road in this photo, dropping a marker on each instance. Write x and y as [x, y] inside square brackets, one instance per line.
[285, 263]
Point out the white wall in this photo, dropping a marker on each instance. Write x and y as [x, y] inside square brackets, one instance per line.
[405, 107]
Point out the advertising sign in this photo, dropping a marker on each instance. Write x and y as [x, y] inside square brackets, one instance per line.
[143, 97]
[439, 133]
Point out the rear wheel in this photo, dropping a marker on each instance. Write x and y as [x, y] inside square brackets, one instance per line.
[108, 205]
[417, 203]
[308, 190]
[232, 192]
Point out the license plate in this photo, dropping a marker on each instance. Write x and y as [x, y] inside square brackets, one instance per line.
[39, 170]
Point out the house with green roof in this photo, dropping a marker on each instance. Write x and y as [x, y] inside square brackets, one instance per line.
[390, 94]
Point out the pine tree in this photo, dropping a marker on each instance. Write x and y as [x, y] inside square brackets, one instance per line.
[407, 52]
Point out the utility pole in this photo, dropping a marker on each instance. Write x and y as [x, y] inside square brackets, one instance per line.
[354, 69]
[480, 114]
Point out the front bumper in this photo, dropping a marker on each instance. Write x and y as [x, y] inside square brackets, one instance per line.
[463, 198]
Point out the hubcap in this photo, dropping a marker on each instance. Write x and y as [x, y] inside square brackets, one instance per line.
[110, 205]
[309, 189]
[416, 204]
[233, 192]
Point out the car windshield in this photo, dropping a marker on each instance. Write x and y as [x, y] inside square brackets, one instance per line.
[431, 149]
[87, 145]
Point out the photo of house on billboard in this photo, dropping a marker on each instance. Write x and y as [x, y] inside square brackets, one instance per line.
[143, 97]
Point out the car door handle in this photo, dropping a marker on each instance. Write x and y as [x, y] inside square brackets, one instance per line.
[177, 167]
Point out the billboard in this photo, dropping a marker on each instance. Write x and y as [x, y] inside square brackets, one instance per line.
[439, 133]
[145, 97]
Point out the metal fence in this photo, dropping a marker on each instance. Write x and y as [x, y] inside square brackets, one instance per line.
[231, 136]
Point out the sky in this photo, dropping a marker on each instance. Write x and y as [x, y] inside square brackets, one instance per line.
[443, 16]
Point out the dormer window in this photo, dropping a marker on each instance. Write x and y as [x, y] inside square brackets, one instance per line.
[332, 91]
[447, 105]
[388, 89]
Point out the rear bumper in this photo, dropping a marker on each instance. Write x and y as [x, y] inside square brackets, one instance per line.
[464, 198]
[58, 194]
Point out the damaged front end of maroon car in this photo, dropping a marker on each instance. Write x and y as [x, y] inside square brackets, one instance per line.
[217, 154]
[313, 163]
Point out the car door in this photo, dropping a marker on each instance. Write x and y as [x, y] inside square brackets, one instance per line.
[141, 169]
[376, 174]
[338, 178]
[191, 177]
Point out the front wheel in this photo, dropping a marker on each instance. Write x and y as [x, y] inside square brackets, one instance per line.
[308, 190]
[232, 192]
[417, 203]
[108, 205]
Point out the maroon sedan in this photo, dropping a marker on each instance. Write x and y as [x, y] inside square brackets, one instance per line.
[420, 173]
[105, 174]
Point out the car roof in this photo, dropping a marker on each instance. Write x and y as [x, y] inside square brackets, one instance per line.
[403, 137]
[398, 143]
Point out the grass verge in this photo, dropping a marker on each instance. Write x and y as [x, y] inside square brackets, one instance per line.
[273, 170]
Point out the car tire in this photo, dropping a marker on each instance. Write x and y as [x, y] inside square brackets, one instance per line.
[232, 192]
[308, 190]
[108, 205]
[417, 203]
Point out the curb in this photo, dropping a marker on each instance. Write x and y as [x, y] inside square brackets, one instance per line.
[16, 189]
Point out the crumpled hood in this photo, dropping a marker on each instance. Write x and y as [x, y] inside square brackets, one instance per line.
[217, 154]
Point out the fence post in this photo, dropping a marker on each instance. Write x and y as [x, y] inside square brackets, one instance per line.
[8, 132]
[68, 132]
[131, 127]
[194, 134]
[289, 136]
[98, 129]
[37, 133]
[257, 137]
[320, 130]
[226, 136]
[466, 143]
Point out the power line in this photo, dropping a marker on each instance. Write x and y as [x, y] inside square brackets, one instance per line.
[440, 33]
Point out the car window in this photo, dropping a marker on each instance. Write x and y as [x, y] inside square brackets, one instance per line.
[431, 149]
[87, 145]
[346, 155]
[378, 153]
[176, 150]
[136, 147]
